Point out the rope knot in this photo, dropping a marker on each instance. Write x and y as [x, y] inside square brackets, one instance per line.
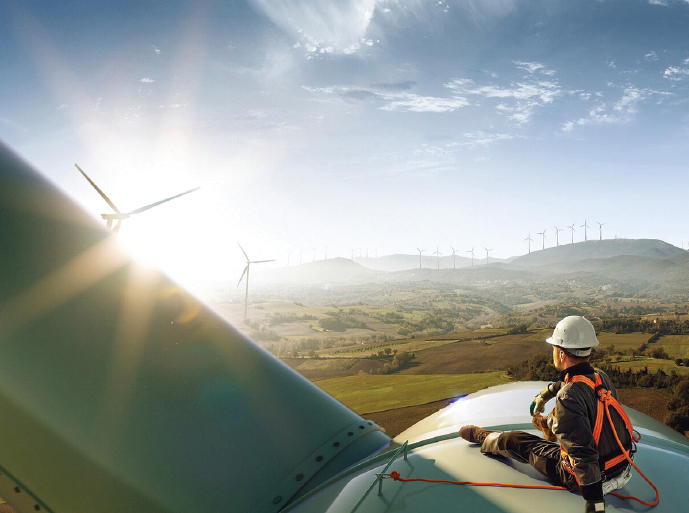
[395, 475]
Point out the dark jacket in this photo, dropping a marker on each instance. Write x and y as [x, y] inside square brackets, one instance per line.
[573, 421]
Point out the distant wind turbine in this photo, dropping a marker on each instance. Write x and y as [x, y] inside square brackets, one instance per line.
[438, 253]
[246, 271]
[420, 251]
[121, 216]
[543, 234]
[454, 264]
[557, 235]
[600, 230]
[530, 241]
[571, 227]
[472, 255]
[487, 251]
[314, 255]
[325, 256]
[301, 252]
[585, 226]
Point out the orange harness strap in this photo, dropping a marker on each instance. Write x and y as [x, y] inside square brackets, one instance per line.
[605, 399]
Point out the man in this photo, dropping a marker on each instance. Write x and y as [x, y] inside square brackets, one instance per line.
[580, 461]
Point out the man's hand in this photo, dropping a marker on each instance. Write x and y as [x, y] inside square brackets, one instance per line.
[594, 506]
[541, 423]
[538, 404]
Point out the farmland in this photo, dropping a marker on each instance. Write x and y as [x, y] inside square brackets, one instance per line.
[368, 394]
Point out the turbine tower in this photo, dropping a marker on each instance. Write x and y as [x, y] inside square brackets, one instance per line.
[246, 271]
[420, 251]
[571, 227]
[454, 264]
[487, 251]
[314, 255]
[437, 254]
[542, 234]
[600, 230]
[530, 241]
[557, 235]
[121, 216]
[472, 255]
[585, 226]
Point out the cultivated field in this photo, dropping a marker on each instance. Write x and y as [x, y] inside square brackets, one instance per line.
[476, 355]
[622, 341]
[652, 365]
[677, 346]
[367, 394]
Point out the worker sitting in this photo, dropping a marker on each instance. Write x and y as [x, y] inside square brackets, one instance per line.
[588, 457]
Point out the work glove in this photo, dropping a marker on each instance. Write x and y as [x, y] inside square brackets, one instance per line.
[594, 506]
[538, 404]
[541, 423]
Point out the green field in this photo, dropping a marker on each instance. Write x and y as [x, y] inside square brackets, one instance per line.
[369, 393]
[624, 340]
[653, 365]
[677, 346]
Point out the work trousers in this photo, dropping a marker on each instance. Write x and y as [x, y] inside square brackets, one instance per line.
[524, 447]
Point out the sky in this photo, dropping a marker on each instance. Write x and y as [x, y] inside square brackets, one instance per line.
[347, 127]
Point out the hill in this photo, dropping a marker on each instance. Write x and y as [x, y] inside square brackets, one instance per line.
[596, 249]
[332, 270]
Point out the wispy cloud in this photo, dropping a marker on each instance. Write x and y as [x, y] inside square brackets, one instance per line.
[620, 112]
[651, 56]
[518, 100]
[392, 100]
[147, 80]
[322, 27]
[156, 50]
[676, 73]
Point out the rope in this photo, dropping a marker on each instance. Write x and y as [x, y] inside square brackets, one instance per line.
[396, 476]
[606, 399]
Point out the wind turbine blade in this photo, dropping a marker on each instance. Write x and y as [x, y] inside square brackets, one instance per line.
[247, 256]
[102, 194]
[243, 273]
[262, 261]
[142, 209]
[117, 226]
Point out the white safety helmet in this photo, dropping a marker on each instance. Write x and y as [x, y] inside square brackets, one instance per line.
[575, 334]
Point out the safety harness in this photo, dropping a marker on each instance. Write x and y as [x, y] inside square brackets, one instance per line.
[605, 400]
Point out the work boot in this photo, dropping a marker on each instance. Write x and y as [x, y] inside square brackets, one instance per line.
[475, 434]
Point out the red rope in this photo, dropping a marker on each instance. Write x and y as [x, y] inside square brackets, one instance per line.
[396, 476]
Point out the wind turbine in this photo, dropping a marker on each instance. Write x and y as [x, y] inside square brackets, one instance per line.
[454, 265]
[585, 226]
[437, 253]
[325, 256]
[600, 230]
[472, 255]
[530, 241]
[571, 227]
[314, 255]
[420, 251]
[487, 251]
[557, 235]
[121, 216]
[543, 234]
[246, 271]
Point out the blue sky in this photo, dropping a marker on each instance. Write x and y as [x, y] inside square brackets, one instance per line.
[386, 125]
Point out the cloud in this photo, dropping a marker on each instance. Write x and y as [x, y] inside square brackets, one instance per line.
[651, 56]
[392, 100]
[415, 103]
[658, 2]
[518, 100]
[156, 50]
[533, 67]
[322, 27]
[675, 73]
[481, 139]
[147, 80]
[622, 111]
